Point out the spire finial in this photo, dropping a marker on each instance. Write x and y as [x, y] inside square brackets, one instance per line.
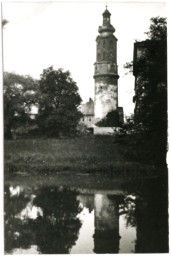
[106, 7]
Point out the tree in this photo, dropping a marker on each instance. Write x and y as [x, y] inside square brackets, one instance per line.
[19, 95]
[150, 70]
[158, 29]
[58, 103]
[110, 120]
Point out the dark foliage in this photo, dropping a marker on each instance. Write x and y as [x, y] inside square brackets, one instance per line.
[158, 29]
[111, 120]
[19, 95]
[150, 70]
[58, 103]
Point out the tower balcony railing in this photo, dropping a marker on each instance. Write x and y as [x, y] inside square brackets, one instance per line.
[106, 28]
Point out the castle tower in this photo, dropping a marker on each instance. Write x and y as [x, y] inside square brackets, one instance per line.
[106, 71]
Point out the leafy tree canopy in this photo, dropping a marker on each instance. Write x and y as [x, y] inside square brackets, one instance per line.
[19, 95]
[110, 120]
[150, 71]
[158, 29]
[58, 103]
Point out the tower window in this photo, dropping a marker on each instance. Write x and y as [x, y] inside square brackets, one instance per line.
[104, 43]
[104, 55]
[98, 57]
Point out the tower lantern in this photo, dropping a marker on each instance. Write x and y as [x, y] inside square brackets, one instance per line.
[106, 17]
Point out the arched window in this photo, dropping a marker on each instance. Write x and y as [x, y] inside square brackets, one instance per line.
[104, 55]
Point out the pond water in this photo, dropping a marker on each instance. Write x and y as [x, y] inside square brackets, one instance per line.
[48, 217]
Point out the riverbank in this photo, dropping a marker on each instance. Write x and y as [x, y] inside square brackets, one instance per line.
[90, 154]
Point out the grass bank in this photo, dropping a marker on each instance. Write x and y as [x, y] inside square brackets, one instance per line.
[83, 154]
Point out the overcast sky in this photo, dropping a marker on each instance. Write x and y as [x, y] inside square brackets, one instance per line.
[63, 34]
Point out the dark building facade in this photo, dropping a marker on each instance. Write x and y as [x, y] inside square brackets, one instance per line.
[146, 53]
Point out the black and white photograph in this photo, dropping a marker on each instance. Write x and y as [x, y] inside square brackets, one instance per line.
[84, 127]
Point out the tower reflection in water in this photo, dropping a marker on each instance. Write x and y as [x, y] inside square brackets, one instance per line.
[103, 221]
[132, 223]
[106, 236]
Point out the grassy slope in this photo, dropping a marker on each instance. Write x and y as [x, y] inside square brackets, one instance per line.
[77, 154]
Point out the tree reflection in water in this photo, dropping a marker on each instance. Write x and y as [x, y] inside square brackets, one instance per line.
[147, 210]
[57, 230]
[54, 232]
[16, 233]
[152, 217]
[55, 226]
[127, 207]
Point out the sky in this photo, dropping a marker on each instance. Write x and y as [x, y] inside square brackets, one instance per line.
[62, 35]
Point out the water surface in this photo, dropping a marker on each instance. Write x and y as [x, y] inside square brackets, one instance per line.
[50, 216]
